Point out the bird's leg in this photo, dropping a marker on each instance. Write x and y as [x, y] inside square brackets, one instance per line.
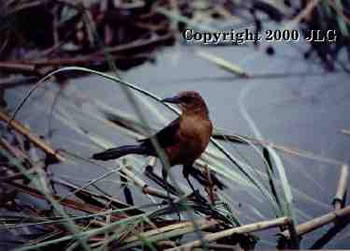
[165, 177]
[186, 170]
[171, 203]
[159, 180]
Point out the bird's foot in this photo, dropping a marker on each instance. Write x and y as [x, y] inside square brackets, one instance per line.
[173, 207]
[195, 195]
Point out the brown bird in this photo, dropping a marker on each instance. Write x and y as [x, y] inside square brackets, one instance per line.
[183, 140]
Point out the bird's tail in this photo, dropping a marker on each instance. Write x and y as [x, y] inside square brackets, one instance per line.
[115, 153]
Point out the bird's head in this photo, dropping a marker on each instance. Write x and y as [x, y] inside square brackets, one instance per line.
[189, 102]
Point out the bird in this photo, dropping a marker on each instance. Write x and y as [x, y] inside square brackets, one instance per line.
[183, 140]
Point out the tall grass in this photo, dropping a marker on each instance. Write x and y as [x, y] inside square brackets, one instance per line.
[269, 184]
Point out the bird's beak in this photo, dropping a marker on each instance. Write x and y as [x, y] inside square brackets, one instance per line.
[173, 100]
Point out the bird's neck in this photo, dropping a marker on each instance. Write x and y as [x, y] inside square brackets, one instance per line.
[198, 112]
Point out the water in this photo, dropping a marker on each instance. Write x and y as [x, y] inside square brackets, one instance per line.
[306, 109]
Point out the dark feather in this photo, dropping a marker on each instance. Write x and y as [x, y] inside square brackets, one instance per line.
[115, 153]
[165, 137]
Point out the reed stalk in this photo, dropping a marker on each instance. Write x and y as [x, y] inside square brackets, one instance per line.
[339, 197]
[318, 222]
[34, 139]
[171, 231]
[262, 225]
[146, 189]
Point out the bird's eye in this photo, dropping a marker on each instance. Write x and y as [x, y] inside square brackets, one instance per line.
[185, 99]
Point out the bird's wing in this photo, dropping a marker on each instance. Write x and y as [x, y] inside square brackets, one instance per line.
[165, 137]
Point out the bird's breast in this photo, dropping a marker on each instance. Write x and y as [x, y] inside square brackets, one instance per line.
[193, 138]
